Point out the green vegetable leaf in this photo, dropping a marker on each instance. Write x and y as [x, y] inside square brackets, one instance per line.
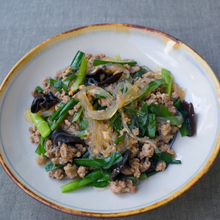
[104, 163]
[50, 166]
[168, 78]
[77, 60]
[80, 76]
[83, 124]
[66, 82]
[163, 156]
[119, 139]
[40, 149]
[77, 114]
[184, 130]
[165, 114]
[151, 125]
[56, 84]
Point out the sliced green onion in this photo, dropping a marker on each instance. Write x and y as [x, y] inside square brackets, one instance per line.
[168, 78]
[77, 114]
[81, 75]
[41, 124]
[101, 62]
[93, 162]
[91, 177]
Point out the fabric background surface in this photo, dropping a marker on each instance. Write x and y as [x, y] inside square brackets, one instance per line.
[24, 24]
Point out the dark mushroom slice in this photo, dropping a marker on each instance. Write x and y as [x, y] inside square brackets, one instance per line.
[100, 77]
[114, 78]
[63, 137]
[45, 101]
[121, 165]
[190, 120]
[153, 165]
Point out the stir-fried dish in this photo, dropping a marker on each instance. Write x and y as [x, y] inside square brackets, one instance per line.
[107, 122]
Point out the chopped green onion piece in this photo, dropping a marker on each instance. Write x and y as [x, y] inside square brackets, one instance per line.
[101, 62]
[77, 114]
[57, 84]
[93, 162]
[50, 166]
[61, 115]
[81, 75]
[168, 78]
[66, 82]
[41, 124]
[175, 162]
[40, 149]
[77, 60]
[151, 125]
[119, 139]
[91, 177]
[143, 176]
[98, 184]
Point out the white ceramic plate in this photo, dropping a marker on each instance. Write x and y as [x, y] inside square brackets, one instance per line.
[148, 47]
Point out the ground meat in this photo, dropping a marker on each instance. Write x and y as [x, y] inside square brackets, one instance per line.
[123, 131]
[104, 102]
[127, 170]
[77, 106]
[35, 137]
[60, 95]
[165, 132]
[57, 173]
[134, 163]
[135, 131]
[134, 151]
[92, 58]
[67, 123]
[40, 160]
[88, 56]
[71, 171]
[122, 186]
[110, 87]
[174, 96]
[65, 99]
[62, 73]
[171, 151]
[161, 166]
[59, 160]
[147, 151]
[145, 164]
[164, 148]
[82, 171]
[34, 92]
[45, 83]
[66, 152]
[159, 99]
[128, 67]
[134, 69]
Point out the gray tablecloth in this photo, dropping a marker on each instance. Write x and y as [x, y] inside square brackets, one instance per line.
[24, 24]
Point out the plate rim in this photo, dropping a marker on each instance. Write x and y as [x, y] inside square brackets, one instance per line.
[99, 28]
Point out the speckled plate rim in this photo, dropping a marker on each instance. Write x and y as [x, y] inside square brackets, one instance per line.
[119, 28]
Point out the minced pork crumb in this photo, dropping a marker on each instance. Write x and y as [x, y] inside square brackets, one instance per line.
[123, 186]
